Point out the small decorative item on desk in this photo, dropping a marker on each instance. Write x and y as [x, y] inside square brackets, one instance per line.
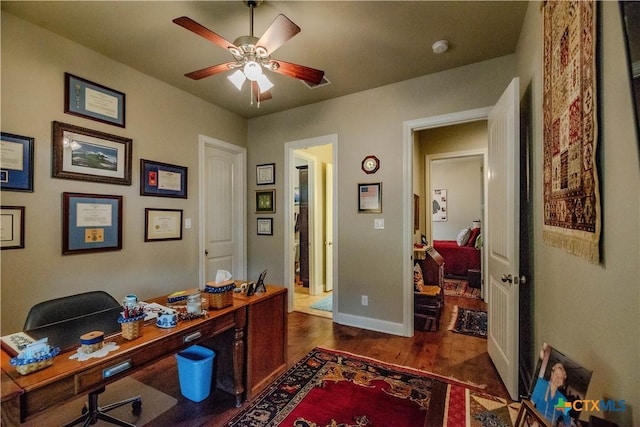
[132, 321]
[220, 294]
[91, 341]
[34, 357]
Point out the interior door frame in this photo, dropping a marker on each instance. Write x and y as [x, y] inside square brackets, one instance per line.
[409, 129]
[240, 200]
[289, 155]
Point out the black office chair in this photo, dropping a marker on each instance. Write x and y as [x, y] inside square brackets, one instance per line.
[63, 320]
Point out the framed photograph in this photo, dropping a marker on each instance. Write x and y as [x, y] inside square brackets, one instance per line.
[265, 201]
[162, 179]
[91, 223]
[162, 224]
[266, 174]
[558, 382]
[265, 226]
[16, 162]
[89, 155]
[12, 227]
[93, 101]
[529, 417]
[370, 198]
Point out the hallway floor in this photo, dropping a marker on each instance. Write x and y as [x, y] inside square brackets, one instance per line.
[303, 302]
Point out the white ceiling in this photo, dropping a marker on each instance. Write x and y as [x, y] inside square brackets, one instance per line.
[359, 44]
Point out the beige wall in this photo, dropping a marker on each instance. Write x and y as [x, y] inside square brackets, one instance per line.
[370, 122]
[592, 312]
[164, 124]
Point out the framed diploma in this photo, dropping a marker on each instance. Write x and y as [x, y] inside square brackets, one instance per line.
[16, 162]
[12, 227]
[93, 101]
[265, 201]
[89, 155]
[266, 174]
[162, 179]
[162, 224]
[91, 223]
[370, 198]
[265, 226]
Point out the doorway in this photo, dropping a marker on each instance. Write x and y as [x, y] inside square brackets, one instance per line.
[309, 236]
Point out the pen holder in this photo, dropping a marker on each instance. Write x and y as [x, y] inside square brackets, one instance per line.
[131, 327]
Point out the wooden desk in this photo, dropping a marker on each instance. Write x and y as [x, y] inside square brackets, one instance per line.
[266, 337]
[68, 378]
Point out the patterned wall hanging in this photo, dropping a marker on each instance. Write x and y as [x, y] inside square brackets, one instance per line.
[571, 195]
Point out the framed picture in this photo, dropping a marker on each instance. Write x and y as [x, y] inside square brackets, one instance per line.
[16, 162]
[370, 198]
[529, 417]
[91, 223]
[559, 381]
[162, 224]
[439, 205]
[266, 174]
[162, 179]
[93, 101]
[12, 227]
[89, 155]
[265, 201]
[265, 226]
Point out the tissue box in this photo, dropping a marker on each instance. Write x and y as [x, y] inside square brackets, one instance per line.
[220, 294]
[28, 365]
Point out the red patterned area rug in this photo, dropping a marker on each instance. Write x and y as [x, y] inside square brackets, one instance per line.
[329, 388]
[460, 288]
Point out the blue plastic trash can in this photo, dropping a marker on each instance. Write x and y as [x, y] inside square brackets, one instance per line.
[195, 370]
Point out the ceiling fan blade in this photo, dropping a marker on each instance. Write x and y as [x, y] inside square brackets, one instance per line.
[280, 30]
[209, 71]
[203, 31]
[300, 72]
[260, 96]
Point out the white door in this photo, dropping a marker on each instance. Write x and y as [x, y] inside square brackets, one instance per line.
[223, 209]
[328, 218]
[502, 244]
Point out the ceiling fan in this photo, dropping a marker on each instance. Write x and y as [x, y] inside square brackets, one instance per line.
[252, 54]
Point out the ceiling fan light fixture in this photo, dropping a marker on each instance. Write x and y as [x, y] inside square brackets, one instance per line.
[237, 79]
[252, 70]
[264, 83]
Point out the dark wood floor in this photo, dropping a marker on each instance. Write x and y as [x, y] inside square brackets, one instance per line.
[444, 352]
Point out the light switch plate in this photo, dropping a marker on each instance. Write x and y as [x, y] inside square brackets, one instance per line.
[187, 223]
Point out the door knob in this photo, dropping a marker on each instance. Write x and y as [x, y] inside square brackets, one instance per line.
[507, 278]
[206, 252]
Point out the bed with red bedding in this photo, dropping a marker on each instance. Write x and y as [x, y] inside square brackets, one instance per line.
[457, 259]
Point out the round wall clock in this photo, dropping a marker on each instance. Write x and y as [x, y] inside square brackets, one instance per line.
[370, 164]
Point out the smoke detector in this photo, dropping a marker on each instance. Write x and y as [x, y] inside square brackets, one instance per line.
[441, 46]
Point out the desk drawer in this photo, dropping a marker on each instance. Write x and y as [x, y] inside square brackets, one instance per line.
[155, 349]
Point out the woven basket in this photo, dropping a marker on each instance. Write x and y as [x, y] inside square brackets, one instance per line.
[220, 294]
[132, 328]
[220, 300]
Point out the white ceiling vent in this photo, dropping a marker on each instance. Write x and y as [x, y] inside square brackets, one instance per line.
[325, 81]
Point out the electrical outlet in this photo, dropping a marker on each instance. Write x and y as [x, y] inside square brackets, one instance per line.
[365, 300]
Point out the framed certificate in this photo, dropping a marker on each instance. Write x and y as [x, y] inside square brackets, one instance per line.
[89, 155]
[370, 198]
[162, 224]
[266, 174]
[93, 101]
[265, 226]
[91, 223]
[16, 162]
[162, 179]
[12, 227]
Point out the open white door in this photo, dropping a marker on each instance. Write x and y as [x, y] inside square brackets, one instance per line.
[328, 230]
[502, 236]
